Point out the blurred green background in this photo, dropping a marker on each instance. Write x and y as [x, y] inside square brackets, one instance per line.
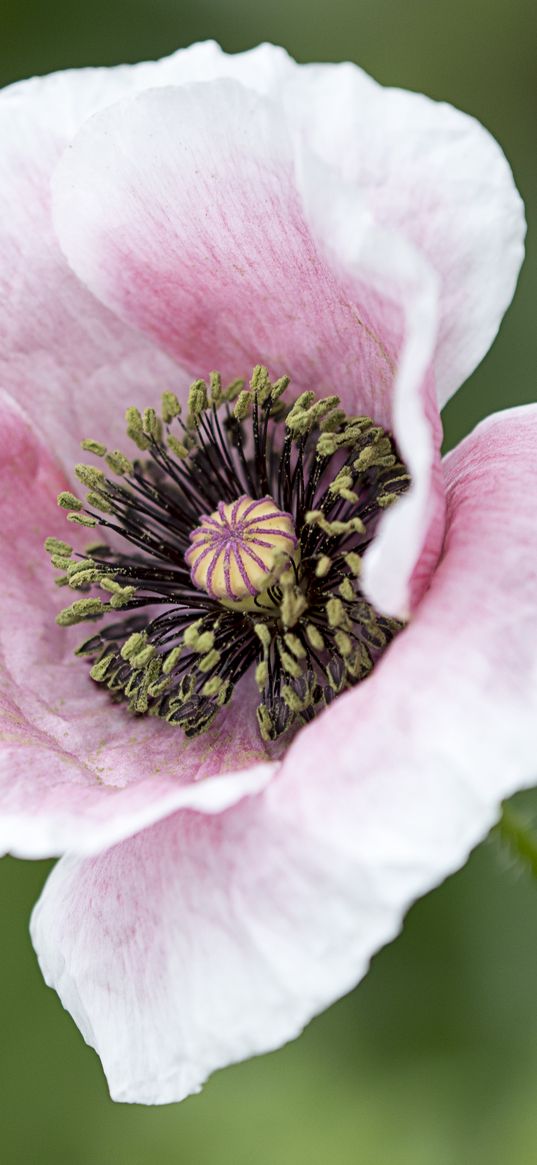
[433, 1059]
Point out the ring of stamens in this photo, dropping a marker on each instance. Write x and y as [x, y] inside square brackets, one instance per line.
[297, 617]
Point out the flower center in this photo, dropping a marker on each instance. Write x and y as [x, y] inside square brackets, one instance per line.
[242, 527]
[237, 548]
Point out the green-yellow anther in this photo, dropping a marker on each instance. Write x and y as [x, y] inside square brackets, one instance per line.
[68, 501]
[191, 634]
[343, 643]
[118, 463]
[57, 547]
[335, 612]
[261, 674]
[197, 402]
[335, 528]
[171, 660]
[59, 562]
[170, 407]
[295, 645]
[81, 609]
[264, 722]
[82, 520]
[122, 597]
[204, 642]
[91, 477]
[354, 562]
[213, 686]
[263, 634]
[99, 669]
[346, 590]
[314, 637]
[215, 387]
[133, 645]
[279, 387]
[94, 447]
[99, 502]
[260, 383]
[352, 434]
[224, 694]
[82, 578]
[139, 684]
[293, 700]
[135, 429]
[292, 606]
[158, 687]
[152, 425]
[290, 664]
[335, 680]
[365, 459]
[109, 583]
[206, 662]
[177, 447]
[332, 421]
[321, 408]
[81, 565]
[378, 452]
[342, 486]
[301, 405]
[140, 659]
[323, 566]
[243, 405]
[327, 444]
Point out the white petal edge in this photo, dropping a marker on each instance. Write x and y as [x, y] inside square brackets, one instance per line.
[438, 177]
[55, 833]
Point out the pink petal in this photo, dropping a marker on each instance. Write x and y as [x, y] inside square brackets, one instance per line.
[190, 213]
[208, 939]
[433, 174]
[78, 772]
[78, 363]
[61, 351]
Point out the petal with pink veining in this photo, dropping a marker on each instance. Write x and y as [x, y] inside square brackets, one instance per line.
[76, 362]
[189, 212]
[208, 939]
[79, 772]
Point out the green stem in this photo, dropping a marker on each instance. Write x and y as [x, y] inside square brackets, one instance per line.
[513, 829]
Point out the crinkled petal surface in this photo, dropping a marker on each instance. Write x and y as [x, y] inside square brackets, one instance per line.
[79, 772]
[208, 939]
[63, 356]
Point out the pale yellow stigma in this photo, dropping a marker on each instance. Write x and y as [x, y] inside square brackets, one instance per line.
[236, 549]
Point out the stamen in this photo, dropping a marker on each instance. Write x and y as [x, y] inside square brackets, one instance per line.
[244, 522]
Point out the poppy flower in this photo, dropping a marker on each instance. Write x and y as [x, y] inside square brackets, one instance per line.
[308, 670]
